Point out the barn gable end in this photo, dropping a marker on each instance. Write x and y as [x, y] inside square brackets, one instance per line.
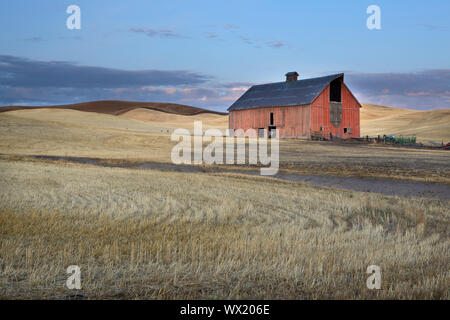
[299, 108]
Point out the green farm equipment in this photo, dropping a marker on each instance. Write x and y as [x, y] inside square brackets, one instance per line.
[400, 139]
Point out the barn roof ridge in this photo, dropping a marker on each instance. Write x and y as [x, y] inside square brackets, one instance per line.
[292, 93]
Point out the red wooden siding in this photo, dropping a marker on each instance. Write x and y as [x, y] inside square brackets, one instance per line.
[292, 122]
[300, 121]
[320, 114]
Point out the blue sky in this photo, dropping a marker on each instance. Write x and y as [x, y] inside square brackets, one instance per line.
[207, 53]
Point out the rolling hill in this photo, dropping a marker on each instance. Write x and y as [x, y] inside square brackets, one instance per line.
[122, 115]
[429, 126]
[170, 120]
[114, 107]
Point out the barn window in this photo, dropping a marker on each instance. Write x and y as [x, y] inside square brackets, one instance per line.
[335, 90]
[260, 132]
[271, 118]
[347, 130]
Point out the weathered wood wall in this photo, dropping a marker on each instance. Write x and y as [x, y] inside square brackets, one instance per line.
[320, 114]
[300, 121]
[292, 122]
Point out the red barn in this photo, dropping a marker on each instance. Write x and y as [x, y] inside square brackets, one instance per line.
[321, 106]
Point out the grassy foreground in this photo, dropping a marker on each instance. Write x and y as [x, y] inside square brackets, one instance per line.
[149, 234]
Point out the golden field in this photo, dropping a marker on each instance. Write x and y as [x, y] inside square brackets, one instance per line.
[149, 234]
[119, 138]
[433, 125]
[173, 121]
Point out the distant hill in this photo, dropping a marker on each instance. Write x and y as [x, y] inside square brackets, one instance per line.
[116, 108]
[428, 126]
[170, 120]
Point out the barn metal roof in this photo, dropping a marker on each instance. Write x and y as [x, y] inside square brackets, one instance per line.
[283, 93]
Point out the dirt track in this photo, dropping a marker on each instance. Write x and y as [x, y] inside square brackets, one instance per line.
[384, 186]
[389, 187]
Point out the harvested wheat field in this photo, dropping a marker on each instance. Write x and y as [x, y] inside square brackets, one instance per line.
[150, 234]
[145, 233]
[173, 121]
[93, 135]
[428, 126]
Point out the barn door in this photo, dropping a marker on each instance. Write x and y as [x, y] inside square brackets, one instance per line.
[272, 132]
[335, 113]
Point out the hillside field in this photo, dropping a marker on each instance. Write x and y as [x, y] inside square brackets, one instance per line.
[428, 126]
[151, 234]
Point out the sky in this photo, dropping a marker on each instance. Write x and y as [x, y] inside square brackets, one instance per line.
[208, 53]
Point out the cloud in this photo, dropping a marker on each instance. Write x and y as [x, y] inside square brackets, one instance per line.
[212, 98]
[255, 42]
[69, 38]
[236, 84]
[31, 82]
[431, 27]
[275, 44]
[230, 26]
[258, 43]
[426, 89]
[26, 73]
[163, 33]
[34, 39]
[211, 35]
[246, 39]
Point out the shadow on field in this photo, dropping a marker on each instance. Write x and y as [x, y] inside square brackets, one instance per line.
[383, 186]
